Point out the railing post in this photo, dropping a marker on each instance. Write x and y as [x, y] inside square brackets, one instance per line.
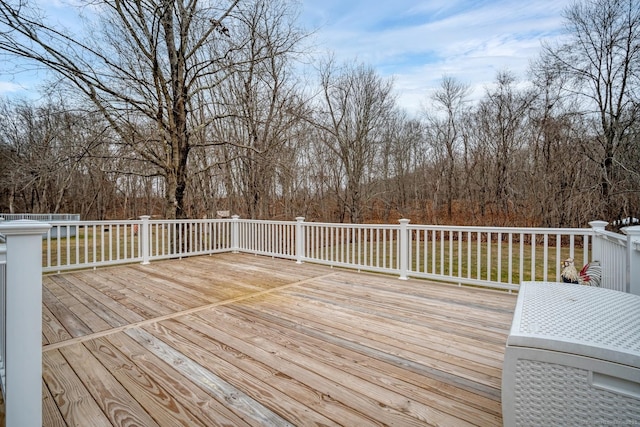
[235, 233]
[404, 248]
[299, 239]
[596, 247]
[23, 305]
[633, 259]
[144, 237]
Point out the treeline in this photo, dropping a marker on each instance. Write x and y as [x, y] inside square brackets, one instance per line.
[233, 127]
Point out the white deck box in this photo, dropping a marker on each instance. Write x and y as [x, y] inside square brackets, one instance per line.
[572, 357]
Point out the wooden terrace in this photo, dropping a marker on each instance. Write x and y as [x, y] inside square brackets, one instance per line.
[238, 339]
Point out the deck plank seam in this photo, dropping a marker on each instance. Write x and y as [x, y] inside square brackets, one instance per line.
[88, 337]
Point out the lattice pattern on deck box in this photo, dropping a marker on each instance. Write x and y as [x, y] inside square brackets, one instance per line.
[572, 357]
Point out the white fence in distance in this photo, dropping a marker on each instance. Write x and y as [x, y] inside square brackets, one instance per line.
[40, 217]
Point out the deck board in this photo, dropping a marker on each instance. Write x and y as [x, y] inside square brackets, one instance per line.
[237, 339]
[69, 393]
[331, 360]
[107, 392]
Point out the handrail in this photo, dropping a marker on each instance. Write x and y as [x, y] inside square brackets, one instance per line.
[610, 236]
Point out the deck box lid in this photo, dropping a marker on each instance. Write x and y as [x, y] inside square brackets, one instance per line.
[575, 319]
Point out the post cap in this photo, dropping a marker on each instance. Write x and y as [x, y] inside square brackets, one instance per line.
[23, 227]
[633, 230]
[598, 225]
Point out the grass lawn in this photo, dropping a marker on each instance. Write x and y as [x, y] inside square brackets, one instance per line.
[91, 244]
[459, 258]
[115, 242]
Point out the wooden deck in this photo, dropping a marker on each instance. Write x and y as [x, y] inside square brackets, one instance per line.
[238, 340]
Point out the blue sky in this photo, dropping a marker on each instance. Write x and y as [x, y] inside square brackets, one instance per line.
[417, 42]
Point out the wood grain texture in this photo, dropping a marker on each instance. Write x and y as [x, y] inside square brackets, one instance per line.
[72, 398]
[157, 400]
[51, 416]
[109, 394]
[236, 339]
[234, 398]
[52, 329]
[261, 382]
[389, 369]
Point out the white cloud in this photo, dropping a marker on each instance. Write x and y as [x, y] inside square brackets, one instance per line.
[416, 42]
[419, 42]
[9, 87]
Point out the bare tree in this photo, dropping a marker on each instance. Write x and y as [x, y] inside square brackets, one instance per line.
[562, 186]
[356, 102]
[448, 105]
[601, 62]
[55, 159]
[500, 135]
[265, 105]
[402, 144]
[144, 63]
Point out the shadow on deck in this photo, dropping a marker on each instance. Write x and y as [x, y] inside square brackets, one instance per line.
[243, 340]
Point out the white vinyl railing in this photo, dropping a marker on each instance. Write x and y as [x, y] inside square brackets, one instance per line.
[72, 245]
[82, 244]
[611, 250]
[90, 244]
[181, 238]
[499, 257]
[3, 316]
[363, 247]
[486, 256]
[272, 238]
